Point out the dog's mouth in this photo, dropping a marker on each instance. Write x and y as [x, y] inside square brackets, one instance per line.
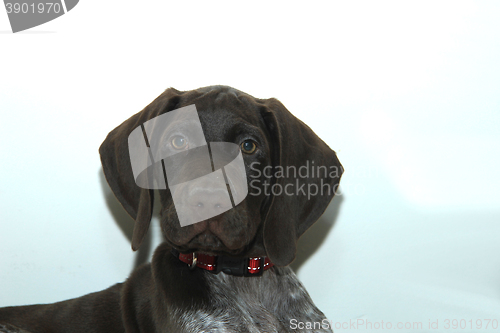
[208, 243]
[206, 240]
[209, 237]
[231, 233]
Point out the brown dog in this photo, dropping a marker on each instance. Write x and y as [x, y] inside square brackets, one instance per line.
[216, 275]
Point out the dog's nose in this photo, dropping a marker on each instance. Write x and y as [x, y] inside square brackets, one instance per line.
[209, 201]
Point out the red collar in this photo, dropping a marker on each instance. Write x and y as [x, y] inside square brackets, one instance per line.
[228, 265]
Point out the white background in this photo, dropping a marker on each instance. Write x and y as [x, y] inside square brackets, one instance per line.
[407, 94]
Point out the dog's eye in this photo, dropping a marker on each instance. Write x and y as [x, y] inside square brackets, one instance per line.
[179, 142]
[248, 146]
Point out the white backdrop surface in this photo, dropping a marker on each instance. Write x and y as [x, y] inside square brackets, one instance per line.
[406, 93]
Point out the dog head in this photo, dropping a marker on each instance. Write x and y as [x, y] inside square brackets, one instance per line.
[282, 202]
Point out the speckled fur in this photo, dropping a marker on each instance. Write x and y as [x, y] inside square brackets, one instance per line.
[253, 305]
[185, 301]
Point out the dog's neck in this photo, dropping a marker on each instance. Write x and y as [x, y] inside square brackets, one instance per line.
[232, 266]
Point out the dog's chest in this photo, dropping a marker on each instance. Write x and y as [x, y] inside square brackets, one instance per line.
[271, 303]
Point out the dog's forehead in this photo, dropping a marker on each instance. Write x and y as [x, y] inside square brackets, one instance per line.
[223, 114]
[222, 124]
[231, 103]
[219, 110]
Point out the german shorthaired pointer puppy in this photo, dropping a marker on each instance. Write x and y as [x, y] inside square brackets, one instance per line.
[227, 273]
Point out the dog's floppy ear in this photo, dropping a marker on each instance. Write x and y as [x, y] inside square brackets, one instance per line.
[117, 167]
[310, 174]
